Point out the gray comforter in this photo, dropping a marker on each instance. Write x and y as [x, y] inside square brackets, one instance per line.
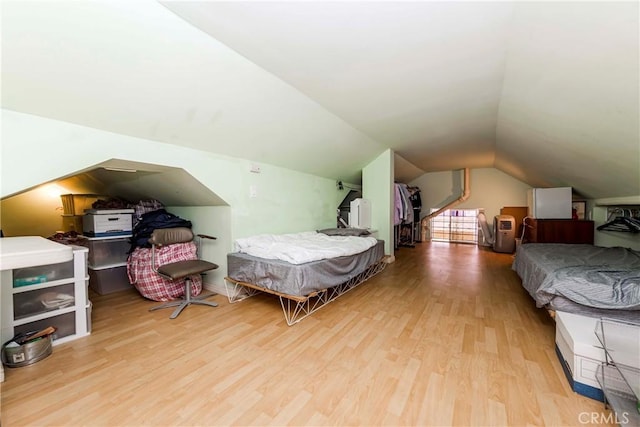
[301, 279]
[599, 286]
[604, 278]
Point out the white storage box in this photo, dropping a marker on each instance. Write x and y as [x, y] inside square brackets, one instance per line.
[100, 223]
[580, 352]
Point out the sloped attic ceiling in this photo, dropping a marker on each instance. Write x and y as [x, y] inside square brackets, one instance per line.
[135, 181]
[545, 91]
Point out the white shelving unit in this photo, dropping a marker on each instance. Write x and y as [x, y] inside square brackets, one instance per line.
[48, 287]
[619, 375]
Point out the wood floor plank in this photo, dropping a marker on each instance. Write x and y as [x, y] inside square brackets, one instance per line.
[446, 335]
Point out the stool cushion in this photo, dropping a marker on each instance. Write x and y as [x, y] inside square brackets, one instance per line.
[181, 269]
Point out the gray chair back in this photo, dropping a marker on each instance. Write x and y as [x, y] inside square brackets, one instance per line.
[170, 236]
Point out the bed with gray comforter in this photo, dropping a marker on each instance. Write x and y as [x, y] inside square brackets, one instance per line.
[584, 279]
[301, 279]
[305, 270]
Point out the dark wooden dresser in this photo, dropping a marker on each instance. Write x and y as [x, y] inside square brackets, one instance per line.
[558, 231]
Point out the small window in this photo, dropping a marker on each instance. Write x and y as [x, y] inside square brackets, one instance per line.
[455, 225]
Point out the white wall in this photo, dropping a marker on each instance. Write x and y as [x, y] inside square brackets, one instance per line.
[612, 238]
[37, 212]
[36, 150]
[136, 68]
[213, 221]
[377, 187]
[491, 189]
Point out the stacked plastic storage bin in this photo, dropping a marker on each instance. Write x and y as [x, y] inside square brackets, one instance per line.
[107, 235]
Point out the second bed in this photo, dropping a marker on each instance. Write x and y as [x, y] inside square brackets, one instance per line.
[582, 279]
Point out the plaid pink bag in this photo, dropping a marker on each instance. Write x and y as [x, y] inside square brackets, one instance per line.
[153, 286]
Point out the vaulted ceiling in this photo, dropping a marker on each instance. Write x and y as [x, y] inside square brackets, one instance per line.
[547, 92]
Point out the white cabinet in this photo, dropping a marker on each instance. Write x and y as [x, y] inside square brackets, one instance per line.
[619, 376]
[44, 283]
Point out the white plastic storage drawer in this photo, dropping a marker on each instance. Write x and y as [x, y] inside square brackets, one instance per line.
[42, 273]
[101, 223]
[107, 251]
[31, 303]
[65, 325]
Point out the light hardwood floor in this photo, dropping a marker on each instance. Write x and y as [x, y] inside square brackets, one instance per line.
[444, 336]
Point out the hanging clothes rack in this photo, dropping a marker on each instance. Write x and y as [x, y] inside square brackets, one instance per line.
[407, 207]
[623, 220]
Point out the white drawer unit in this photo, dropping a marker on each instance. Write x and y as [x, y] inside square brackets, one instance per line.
[580, 352]
[100, 223]
[45, 286]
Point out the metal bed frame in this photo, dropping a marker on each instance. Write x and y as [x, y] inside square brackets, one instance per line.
[294, 307]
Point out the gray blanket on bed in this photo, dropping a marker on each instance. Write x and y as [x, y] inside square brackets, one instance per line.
[589, 275]
[301, 279]
[599, 286]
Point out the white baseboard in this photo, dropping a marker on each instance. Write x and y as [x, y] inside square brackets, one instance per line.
[218, 288]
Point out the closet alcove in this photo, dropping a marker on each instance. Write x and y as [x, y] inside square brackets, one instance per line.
[37, 211]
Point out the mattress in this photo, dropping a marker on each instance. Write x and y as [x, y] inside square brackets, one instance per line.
[582, 279]
[301, 279]
[560, 303]
[304, 247]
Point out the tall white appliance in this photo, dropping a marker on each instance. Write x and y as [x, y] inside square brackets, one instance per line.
[549, 203]
[504, 233]
[360, 213]
[503, 236]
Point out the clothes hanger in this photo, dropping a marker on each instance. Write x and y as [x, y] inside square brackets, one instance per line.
[622, 223]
